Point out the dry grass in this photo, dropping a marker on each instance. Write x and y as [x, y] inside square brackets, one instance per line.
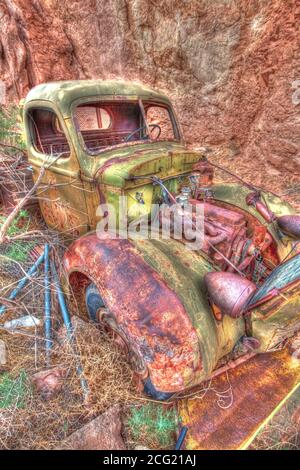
[43, 424]
[283, 431]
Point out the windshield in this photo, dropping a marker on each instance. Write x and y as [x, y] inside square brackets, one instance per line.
[105, 124]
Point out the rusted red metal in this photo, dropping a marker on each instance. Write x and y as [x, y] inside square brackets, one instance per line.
[226, 229]
[290, 225]
[229, 292]
[226, 239]
[204, 172]
[253, 199]
[228, 420]
[148, 312]
[260, 238]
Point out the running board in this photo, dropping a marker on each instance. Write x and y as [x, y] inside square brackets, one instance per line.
[239, 403]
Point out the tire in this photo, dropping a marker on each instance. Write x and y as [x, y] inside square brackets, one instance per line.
[94, 302]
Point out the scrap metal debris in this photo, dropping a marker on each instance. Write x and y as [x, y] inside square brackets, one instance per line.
[235, 426]
[28, 321]
[22, 283]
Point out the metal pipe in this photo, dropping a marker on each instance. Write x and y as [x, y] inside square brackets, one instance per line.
[181, 437]
[61, 300]
[232, 364]
[222, 237]
[265, 212]
[48, 322]
[22, 283]
[69, 328]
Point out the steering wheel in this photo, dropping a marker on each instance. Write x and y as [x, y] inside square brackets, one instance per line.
[152, 126]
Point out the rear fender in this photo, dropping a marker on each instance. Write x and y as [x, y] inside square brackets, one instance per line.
[147, 311]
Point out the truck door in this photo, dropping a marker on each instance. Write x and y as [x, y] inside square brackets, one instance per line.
[61, 194]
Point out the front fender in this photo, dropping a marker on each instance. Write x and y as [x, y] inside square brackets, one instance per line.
[150, 313]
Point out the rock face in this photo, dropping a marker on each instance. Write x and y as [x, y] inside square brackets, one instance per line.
[49, 382]
[103, 433]
[232, 67]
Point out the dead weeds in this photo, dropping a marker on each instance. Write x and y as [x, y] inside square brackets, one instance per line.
[283, 431]
[42, 424]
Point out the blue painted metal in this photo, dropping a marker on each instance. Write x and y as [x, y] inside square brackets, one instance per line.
[67, 321]
[61, 300]
[22, 283]
[181, 437]
[48, 322]
[281, 276]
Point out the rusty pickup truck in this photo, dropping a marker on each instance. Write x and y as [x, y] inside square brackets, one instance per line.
[182, 314]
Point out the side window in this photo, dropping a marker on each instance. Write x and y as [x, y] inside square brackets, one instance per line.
[160, 116]
[46, 133]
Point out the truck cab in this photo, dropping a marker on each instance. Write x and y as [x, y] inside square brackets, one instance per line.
[93, 136]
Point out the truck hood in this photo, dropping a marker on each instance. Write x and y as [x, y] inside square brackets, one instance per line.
[163, 160]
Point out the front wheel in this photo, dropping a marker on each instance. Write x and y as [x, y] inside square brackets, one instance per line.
[98, 313]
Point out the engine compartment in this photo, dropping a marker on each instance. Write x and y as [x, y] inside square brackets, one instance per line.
[233, 239]
[242, 239]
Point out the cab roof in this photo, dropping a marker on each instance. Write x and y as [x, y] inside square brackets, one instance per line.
[64, 93]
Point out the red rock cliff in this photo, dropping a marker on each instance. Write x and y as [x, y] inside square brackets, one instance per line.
[232, 67]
